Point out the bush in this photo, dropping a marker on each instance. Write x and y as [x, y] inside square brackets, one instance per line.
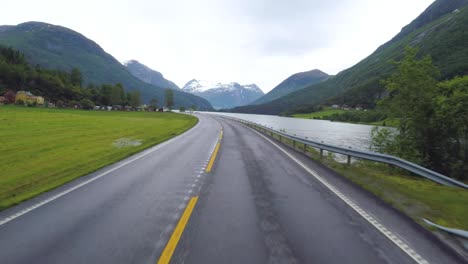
[87, 104]
[10, 97]
[59, 104]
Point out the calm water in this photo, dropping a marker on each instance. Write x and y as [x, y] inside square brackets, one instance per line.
[333, 133]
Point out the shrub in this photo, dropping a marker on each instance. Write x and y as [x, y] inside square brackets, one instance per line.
[10, 97]
[86, 104]
[59, 104]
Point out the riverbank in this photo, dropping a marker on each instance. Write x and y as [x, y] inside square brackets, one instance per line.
[44, 148]
[365, 117]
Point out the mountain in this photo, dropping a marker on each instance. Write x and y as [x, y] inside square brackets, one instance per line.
[441, 31]
[293, 83]
[224, 95]
[148, 75]
[57, 47]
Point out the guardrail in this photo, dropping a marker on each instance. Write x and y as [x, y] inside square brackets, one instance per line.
[367, 155]
[457, 232]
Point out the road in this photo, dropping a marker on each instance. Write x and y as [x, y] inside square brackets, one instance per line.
[257, 202]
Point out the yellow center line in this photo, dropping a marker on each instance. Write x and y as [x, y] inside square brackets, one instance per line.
[213, 157]
[172, 244]
[215, 152]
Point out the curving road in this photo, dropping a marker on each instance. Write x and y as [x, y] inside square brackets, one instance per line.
[260, 203]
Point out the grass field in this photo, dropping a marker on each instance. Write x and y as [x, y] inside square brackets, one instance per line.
[44, 148]
[416, 197]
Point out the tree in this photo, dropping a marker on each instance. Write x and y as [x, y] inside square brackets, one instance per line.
[452, 121]
[75, 77]
[135, 98]
[169, 98]
[87, 104]
[433, 116]
[106, 94]
[117, 95]
[412, 90]
[153, 102]
[182, 109]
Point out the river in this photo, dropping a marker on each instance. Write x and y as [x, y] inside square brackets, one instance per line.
[340, 134]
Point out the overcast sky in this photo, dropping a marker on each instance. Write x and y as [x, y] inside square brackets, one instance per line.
[246, 41]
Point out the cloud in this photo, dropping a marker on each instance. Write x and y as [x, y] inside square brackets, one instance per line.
[247, 41]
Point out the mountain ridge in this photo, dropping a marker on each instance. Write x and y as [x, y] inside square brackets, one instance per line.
[443, 38]
[293, 83]
[56, 47]
[148, 75]
[224, 95]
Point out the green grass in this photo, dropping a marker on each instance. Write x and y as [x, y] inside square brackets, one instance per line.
[45, 148]
[390, 122]
[328, 111]
[416, 197]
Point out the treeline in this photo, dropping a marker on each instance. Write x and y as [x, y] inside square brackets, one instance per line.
[370, 116]
[57, 86]
[433, 117]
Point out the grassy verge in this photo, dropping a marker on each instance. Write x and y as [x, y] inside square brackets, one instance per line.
[327, 112]
[45, 148]
[412, 195]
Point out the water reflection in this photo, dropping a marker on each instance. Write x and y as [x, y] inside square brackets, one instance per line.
[334, 133]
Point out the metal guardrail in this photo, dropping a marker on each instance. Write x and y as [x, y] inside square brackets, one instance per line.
[368, 155]
[458, 232]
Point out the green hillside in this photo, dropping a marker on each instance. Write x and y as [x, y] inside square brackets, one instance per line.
[293, 83]
[439, 31]
[56, 47]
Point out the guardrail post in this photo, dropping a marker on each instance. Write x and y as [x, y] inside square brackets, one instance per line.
[321, 153]
[305, 148]
[349, 159]
[280, 138]
[294, 144]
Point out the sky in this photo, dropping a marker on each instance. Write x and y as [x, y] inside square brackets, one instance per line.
[244, 41]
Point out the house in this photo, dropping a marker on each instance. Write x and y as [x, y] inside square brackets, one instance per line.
[335, 106]
[28, 98]
[345, 107]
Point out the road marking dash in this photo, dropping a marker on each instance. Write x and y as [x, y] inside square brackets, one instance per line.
[179, 229]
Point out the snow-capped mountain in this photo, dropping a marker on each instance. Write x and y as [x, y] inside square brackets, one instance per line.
[224, 95]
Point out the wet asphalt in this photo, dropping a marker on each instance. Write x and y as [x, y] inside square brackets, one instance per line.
[257, 205]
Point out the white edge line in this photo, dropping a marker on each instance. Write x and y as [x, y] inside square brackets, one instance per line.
[50, 199]
[402, 245]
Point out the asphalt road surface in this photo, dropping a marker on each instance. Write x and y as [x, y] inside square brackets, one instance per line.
[258, 202]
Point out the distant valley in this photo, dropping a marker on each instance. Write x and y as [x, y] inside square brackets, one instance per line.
[223, 96]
